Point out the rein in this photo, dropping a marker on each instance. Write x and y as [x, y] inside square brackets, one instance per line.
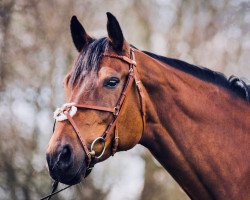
[67, 111]
[54, 192]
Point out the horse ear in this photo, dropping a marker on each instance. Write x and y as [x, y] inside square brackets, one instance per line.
[115, 33]
[78, 33]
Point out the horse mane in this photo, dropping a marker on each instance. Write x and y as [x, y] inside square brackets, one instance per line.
[90, 58]
[233, 83]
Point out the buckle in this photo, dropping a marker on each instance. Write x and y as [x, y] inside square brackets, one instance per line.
[131, 70]
[116, 111]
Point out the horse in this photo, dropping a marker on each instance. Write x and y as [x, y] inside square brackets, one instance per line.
[194, 121]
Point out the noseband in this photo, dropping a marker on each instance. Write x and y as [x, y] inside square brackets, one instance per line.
[67, 111]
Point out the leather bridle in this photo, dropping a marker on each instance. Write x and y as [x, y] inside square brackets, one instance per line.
[92, 158]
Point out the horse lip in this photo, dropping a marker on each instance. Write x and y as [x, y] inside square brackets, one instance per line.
[77, 177]
[75, 180]
[66, 180]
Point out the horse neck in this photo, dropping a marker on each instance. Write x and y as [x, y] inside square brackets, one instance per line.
[196, 130]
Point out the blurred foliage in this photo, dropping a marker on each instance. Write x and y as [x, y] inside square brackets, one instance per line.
[36, 52]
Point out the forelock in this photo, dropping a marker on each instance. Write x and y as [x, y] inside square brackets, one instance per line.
[89, 59]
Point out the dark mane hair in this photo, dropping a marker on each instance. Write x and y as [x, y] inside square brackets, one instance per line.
[234, 84]
[89, 58]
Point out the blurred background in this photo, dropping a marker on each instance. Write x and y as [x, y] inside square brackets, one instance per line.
[36, 52]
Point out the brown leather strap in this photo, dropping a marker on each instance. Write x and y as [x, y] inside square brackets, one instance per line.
[100, 108]
[142, 98]
[120, 103]
[116, 141]
[127, 88]
[83, 141]
[123, 58]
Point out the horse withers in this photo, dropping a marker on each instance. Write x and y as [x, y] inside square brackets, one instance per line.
[194, 121]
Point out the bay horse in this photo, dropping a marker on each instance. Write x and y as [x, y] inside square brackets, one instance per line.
[194, 121]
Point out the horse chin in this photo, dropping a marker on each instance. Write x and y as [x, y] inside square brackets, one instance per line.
[77, 179]
[70, 177]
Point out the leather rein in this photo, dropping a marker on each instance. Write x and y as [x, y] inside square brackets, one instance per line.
[67, 111]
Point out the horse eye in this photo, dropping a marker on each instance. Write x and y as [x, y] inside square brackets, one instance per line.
[111, 82]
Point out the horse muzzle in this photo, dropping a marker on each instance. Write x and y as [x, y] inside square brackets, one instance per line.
[65, 166]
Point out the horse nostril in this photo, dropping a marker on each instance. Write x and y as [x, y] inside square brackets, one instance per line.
[65, 157]
[65, 154]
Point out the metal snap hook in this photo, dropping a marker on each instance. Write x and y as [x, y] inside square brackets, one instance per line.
[92, 152]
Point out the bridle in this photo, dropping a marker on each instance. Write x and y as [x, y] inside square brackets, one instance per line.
[116, 110]
[67, 111]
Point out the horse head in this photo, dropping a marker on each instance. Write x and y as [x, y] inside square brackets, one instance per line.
[104, 110]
